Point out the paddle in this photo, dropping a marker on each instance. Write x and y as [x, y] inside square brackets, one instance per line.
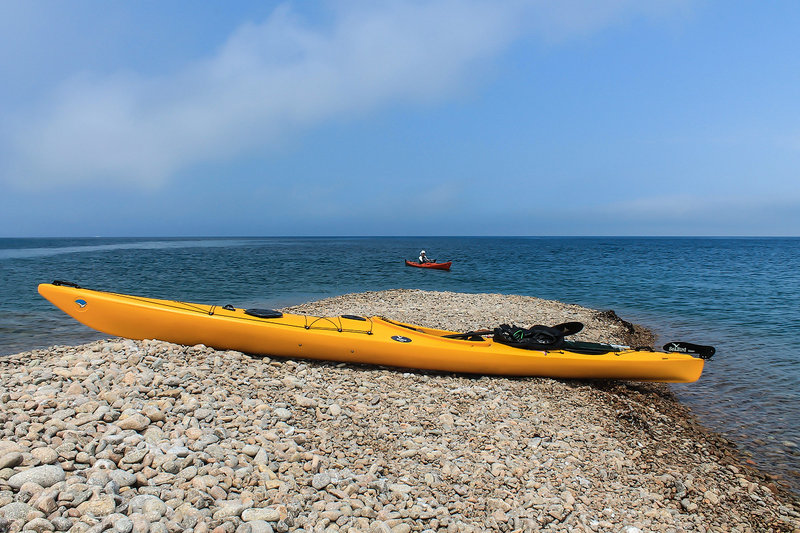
[704, 352]
[570, 328]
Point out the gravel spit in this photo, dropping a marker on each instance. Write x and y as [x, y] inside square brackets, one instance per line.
[147, 436]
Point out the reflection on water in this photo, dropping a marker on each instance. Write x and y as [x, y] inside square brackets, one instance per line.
[24, 252]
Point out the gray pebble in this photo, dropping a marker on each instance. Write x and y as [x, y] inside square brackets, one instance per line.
[39, 525]
[44, 476]
[15, 511]
[121, 523]
[320, 481]
[10, 460]
[260, 526]
[61, 523]
[282, 413]
[266, 514]
[147, 503]
[123, 478]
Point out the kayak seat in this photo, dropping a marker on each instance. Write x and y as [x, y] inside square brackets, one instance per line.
[263, 313]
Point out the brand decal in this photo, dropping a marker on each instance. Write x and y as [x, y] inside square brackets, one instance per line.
[400, 338]
[81, 303]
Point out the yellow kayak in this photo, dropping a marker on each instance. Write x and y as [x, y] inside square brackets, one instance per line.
[355, 339]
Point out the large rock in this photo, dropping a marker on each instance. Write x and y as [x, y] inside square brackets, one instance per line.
[228, 509]
[101, 506]
[119, 523]
[15, 511]
[39, 525]
[45, 455]
[8, 446]
[266, 514]
[260, 526]
[123, 477]
[147, 503]
[10, 460]
[44, 476]
[135, 422]
[320, 481]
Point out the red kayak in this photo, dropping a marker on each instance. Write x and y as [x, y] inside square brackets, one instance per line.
[437, 266]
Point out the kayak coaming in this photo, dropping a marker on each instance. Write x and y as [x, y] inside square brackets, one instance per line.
[369, 341]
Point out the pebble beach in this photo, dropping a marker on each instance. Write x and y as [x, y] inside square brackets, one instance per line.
[147, 436]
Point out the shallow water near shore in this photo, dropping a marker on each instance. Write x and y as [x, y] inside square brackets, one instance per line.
[740, 294]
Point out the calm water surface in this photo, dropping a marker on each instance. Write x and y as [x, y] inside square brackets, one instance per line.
[740, 294]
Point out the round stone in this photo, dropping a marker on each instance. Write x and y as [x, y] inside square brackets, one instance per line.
[15, 511]
[266, 514]
[136, 422]
[281, 413]
[45, 455]
[147, 503]
[320, 481]
[102, 506]
[10, 460]
[44, 476]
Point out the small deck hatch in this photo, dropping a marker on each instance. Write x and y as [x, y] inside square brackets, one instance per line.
[263, 313]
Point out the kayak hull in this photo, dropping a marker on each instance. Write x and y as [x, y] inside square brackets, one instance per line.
[434, 266]
[370, 340]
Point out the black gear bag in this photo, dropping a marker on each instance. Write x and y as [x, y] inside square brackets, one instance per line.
[533, 338]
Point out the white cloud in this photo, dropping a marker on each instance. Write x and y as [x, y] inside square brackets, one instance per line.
[560, 20]
[271, 80]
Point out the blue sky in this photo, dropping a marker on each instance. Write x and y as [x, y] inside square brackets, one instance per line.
[436, 117]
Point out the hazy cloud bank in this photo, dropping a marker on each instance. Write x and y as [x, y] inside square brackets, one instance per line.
[270, 80]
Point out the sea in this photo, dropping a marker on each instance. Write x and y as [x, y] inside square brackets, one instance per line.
[741, 295]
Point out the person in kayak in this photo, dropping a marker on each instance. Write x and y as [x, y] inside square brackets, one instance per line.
[423, 258]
